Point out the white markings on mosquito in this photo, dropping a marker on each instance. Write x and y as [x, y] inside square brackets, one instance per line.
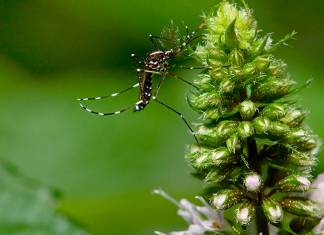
[117, 112]
[98, 98]
[115, 94]
[136, 85]
[101, 114]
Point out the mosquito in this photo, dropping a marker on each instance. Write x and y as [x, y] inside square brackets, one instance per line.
[157, 63]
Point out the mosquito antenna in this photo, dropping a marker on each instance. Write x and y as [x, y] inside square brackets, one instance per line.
[104, 114]
[111, 95]
[180, 115]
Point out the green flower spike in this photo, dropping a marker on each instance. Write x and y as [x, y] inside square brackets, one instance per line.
[255, 149]
[255, 152]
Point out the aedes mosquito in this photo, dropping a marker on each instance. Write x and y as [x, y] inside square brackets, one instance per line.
[159, 62]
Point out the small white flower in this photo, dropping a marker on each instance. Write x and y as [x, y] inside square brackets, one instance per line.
[276, 213]
[243, 215]
[201, 219]
[219, 200]
[252, 182]
[317, 194]
[304, 181]
[319, 229]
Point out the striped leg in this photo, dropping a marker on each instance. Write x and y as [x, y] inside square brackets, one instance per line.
[180, 115]
[104, 114]
[111, 95]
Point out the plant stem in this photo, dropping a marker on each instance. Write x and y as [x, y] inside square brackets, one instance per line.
[253, 155]
[261, 222]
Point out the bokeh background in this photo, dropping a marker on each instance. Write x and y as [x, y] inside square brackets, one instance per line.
[52, 52]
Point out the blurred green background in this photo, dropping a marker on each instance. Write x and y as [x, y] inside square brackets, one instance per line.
[52, 52]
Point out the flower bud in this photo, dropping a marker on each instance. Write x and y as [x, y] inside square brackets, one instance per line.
[301, 207]
[261, 125]
[278, 68]
[247, 109]
[305, 140]
[253, 182]
[278, 129]
[226, 86]
[220, 156]
[204, 101]
[261, 64]
[212, 114]
[272, 210]
[218, 74]
[274, 88]
[198, 157]
[274, 111]
[236, 58]
[218, 134]
[248, 70]
[226, 198]
[208, 135]
[245, 213]
[204, 82]
[294, 117]
[216, 176]
[226, 128]
[202, 158]
[233, 143]
[245, 129]
[293, 183]
[301, 159]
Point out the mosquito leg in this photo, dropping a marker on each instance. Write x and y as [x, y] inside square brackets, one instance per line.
[180, 115]
[148, 71]
[159, 86]
[185, 81]
[193, 68]
[111, 95]
[138, 59]
[104, 114]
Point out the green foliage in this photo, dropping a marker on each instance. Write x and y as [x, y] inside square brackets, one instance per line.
[29, 209]
[250, 122]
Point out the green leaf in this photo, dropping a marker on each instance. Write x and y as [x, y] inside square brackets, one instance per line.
[30, 209]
